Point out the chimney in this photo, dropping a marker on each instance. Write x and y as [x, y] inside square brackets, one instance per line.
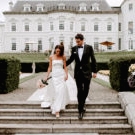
[10, 5]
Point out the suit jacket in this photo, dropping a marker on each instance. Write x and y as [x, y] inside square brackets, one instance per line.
[87, 65]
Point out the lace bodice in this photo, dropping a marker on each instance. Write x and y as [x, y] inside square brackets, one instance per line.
[57, 64]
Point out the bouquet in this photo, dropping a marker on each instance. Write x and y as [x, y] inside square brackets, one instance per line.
[42, 83]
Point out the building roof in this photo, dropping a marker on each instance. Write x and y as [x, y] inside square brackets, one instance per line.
[52, 5]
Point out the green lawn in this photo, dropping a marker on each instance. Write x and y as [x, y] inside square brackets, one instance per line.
[41, 57]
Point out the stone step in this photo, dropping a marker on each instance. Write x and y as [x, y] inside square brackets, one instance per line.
[67, 112]
[65, 128]
[64, 120]
[72, 105]
[64, 134]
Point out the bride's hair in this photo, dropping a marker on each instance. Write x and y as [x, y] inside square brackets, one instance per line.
[61, 47]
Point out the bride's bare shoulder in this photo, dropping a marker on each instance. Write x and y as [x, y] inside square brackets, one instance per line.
[64, 57]
[51, 57]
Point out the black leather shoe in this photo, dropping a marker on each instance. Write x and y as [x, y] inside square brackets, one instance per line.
[84, 110]
[80, 116]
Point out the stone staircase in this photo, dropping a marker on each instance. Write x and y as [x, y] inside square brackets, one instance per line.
[30, 118]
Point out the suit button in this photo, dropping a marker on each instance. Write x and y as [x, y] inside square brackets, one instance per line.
[80, 67]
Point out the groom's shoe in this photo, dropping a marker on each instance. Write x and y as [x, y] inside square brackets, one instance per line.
[80, 116]
[84, 110]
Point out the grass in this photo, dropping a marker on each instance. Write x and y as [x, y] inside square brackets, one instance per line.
[41, 57]
[27, 57]
[29, 77]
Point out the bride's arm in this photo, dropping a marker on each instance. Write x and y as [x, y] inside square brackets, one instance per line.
[49, 68]
[65, 67]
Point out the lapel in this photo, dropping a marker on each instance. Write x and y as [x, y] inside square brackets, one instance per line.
[77, 53]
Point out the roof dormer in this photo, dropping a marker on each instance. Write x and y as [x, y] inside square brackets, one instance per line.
[82, 7]
[95, 7]
[61, 6]
[40, 7]
[27, 7]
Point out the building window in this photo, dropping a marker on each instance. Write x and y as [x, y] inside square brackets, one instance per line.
[71, 41]
[61, 38]
[39, 26]
[39, 44]
[119, 26]
[13, 44]
[95, 7]
[96, 45]
[119, 44]
[82, 26]
[83, 7]
[130, 27]
[51, 43]
[26, 27]
[51, 26]
[61, 25]
[71, 26]
[109, 47]
[13, 27]
[130, 6]
[109, 26]
[130, 44]
[96, 27]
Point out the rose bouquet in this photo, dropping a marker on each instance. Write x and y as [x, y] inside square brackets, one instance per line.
[42, 83]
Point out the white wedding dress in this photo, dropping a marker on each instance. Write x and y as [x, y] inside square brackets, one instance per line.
[57, 93]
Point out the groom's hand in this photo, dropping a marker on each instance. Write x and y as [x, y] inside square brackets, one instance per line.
[94, 75]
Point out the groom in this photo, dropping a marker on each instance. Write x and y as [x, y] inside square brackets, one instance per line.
[85, 64]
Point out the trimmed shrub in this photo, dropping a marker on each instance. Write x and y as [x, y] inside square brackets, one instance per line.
[26, 67]
[9, 74]
[102, 66]
[39, 67]
[119, 72]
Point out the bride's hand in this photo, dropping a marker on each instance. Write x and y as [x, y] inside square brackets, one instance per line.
[66, 77]
[45, 79]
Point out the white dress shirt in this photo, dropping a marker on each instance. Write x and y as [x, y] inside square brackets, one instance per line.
[80, 52]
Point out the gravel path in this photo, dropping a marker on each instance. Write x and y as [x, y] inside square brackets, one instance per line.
[97, 93]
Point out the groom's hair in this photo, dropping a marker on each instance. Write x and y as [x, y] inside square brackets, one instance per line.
[61, 47]
[79, 36]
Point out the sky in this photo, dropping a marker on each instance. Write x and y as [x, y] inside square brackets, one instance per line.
[4, 5]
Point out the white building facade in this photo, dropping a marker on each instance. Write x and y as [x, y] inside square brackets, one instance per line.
[39, 25]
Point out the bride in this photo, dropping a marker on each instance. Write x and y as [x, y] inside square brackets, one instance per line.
[59, 73]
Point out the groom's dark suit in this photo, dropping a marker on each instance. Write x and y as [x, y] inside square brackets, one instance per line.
[83, 72]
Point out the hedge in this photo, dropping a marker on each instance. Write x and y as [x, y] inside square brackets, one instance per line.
[119, 72]
[39, 67]
[9, 74]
